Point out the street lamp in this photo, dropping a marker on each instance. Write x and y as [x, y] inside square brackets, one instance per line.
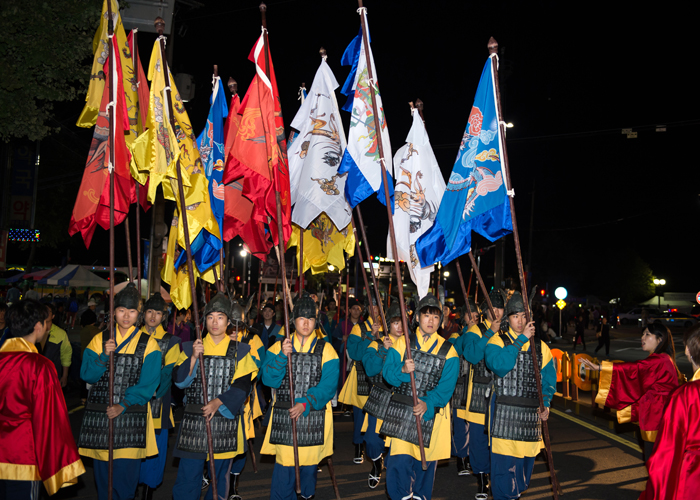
[658, 283]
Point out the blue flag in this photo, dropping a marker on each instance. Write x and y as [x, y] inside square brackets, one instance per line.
[206, 246]
[475, 198]
[362, 159]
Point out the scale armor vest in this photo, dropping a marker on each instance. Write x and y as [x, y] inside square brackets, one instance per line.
[399, 421]
[363, 383]
[157, 403]
[379, 397]
[192, 438]
[130, 426]
[481, 380]
[517, 400]
[307, 368]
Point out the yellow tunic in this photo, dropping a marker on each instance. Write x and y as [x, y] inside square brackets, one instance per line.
[171, 358]
[477, 418]
[348, 394]
[251, 412]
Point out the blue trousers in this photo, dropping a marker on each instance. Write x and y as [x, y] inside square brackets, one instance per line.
[405, 478]
[374, 445]
[283, 482]
[510, 476]
[152, 468]
[238, 464]
[479, 452]
[188, 485]
[14, 490]
[358, 417]
[125, 478]
[460, 436]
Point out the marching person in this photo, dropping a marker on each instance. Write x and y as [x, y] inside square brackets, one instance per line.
[137, 366]
[315, 369]
[36, 442]
[640, 390]
[380, 393]
[436, 366]
[460, 427]
[356, 388]
[156, 315]
[472, 345]
[230, 369]
[515, 430]
[267, 327]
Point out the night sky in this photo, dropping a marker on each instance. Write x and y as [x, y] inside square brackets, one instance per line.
[572, 76]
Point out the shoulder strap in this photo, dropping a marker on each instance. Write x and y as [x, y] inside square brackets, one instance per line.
[320, 346]
[444, 349]
[413, 340]
[231, 350]
[505, 338]
[482, 327]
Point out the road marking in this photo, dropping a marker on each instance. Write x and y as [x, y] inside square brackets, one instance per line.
[628, 349]
[77, 408]
[593, 428]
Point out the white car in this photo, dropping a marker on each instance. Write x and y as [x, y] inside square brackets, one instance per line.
[634, 316]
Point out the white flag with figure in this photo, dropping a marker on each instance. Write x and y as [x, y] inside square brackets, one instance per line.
[315, 155]
[417, 195]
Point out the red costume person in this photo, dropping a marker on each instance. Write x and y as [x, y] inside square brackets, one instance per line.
[36, 442]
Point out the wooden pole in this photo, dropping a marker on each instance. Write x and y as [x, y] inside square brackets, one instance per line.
[475, 268]
[112, 112]
[363, 12]
[301, 259]
[135, 62]
[364, 278]
[493, 51]
[260, 275]
[280, 244]
[371, 268]
[128, 248]
[160, 26]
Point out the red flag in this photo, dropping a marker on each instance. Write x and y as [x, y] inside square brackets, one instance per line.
[259, 152]
[92, 203]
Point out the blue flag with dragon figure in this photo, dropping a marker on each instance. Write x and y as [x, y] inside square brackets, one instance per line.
[206, 246]
[475, 198]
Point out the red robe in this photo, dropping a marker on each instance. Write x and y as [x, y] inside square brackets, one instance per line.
[674, 467]
[36, 441]
[639, 390]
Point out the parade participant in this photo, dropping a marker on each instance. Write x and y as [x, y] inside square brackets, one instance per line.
[436, 366]
[56, 347]
[230, 369]
[639, 390]
[315, 369]
[515, 430]
[137, 366]
[156, 315]
[673, 468]
[460, 428]
[268, 328]
[341, 334]
[471, 346]
[380, 393]
[36, 442]
[356, 388]
[449, 326]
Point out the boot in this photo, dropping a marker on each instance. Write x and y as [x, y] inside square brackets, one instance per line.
[358, 454]
[463, 466]
[147, 493]
[483, 486]
[233, 487]
[375, 474]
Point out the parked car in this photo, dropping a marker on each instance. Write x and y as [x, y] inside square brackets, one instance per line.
[674, 319]
[634, 316]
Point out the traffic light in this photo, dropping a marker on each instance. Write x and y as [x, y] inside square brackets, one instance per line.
[542, 292]
[238, 278]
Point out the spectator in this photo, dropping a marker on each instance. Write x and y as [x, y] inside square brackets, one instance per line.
[72, 310]
[13, 294]
[56, 347]
[4, 330]
[580, 321]
[449, 326]
[603, 335]
[180, 327]
[268, 328]
[31, 293]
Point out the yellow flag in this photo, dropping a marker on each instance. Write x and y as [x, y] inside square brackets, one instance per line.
[323, 244]
[88, 117]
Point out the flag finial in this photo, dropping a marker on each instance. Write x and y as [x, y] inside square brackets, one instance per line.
[233, 85]
[159, 23]
[322, 51]
[493, 46]
[419, 105]
[263, 7]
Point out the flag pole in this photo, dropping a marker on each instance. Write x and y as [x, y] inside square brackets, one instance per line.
[392, 235]
[112, 112]
[371, 268]
[220, 281]
[128, 247]
[226, 272]
[364, 278]
[134, 63]
[476, 271]
[301, 258]
[280, 244]
[493, 51]
[160, 26]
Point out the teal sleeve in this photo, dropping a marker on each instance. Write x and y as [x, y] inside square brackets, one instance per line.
[392, 369]
[319, 395]
[184, 379]
[273, 369]
[441, 395]
[373, 361]
[261, 355]
[473, 346]
[501, 360]
[143, 391]
[549, 382]
[93, 366]
[357, 347]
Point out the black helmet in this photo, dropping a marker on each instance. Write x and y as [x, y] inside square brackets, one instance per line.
[515, 305]
[128, 297]
[428, 301]
[473, 307]
[304, 307]
[394, 310]
[219, 303]
[157, 303]
[239, 313]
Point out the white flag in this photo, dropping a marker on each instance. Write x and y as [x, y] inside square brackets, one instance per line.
[315, 154]
[417, 195]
